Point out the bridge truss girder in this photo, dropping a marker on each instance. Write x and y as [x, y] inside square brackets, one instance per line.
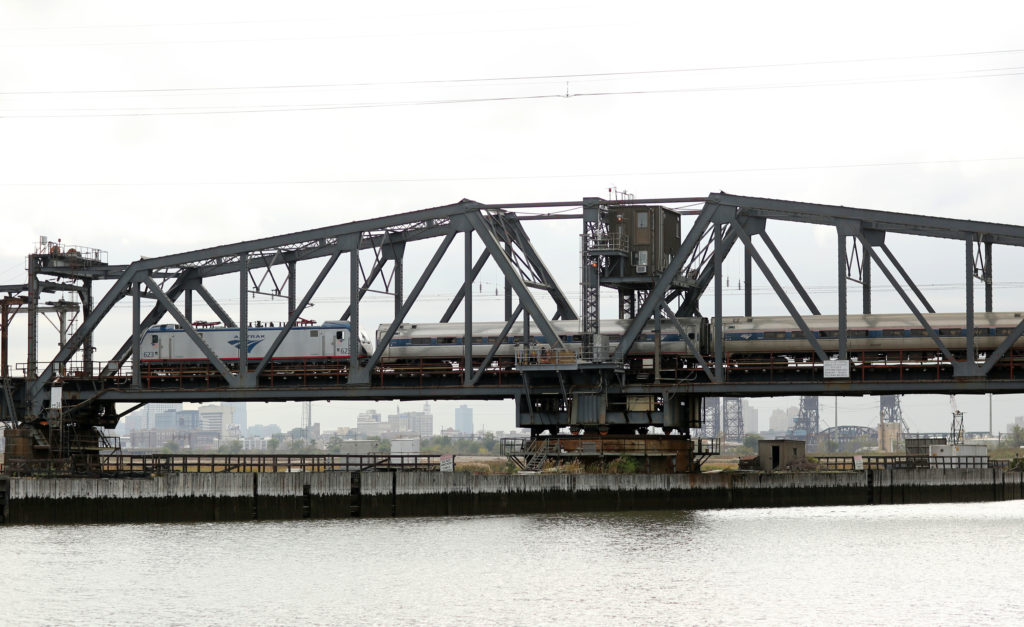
[696, 267]
[163, 282]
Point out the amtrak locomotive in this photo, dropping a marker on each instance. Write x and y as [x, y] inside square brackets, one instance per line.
[310, 342]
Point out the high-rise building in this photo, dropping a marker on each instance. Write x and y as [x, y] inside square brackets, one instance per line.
[464, 419]
[238, 415]
[750, 423]
[216, 418]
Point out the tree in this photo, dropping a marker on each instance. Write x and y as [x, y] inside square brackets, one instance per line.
[750, 441]
[273, 444]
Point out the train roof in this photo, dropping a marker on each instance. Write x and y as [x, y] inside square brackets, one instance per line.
[328, 324]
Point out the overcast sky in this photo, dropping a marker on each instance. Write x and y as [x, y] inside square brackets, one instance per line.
[150, 128]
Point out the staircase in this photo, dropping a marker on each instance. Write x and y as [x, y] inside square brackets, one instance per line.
[535, 454]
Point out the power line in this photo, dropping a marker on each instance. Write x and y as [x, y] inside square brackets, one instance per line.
[534, 77]
[795, 168]
[207, 110]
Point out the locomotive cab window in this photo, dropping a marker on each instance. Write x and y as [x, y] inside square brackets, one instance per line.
[156, 339]
[339, 335]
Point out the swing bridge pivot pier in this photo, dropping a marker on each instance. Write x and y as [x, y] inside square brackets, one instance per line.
[645, 365]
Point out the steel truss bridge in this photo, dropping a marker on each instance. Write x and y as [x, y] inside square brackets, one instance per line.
[584, 389]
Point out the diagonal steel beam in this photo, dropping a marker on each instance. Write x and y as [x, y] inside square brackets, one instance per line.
[906, 277]
[385, 340]
[486, 235]
[207, 297]
[691, 302]
[216, 361]
[497, 344]
[1000, 350]
[869, 250]
[378, 266]
[686, 248]
[457, 300]
[297, 313]
[564, 309]
[154, 315]
[780, 292]
[689, 343]
[790, 274]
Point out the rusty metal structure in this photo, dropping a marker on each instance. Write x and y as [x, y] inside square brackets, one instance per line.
[597, 386]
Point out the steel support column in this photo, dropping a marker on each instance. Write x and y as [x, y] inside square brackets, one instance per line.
[988, 277]
[137, 335]
[969, 298]
[841, 278]
[292, 286]
[467, 297]
[748, 275]
[719, 345]
[243, 319]
[354, 373]
[866, 283]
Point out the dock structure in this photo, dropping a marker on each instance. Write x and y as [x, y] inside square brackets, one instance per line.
[650, 367]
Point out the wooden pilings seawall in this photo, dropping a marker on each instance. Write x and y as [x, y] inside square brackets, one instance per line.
[263, 496]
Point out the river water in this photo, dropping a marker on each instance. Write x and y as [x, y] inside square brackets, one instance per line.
[884, 565]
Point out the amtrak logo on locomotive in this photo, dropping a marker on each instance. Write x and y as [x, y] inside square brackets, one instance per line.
[252, 342]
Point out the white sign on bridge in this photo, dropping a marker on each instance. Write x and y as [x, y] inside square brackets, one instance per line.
[837, 369]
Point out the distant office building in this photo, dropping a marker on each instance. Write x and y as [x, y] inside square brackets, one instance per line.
[464, 419]
[215, 418]
[369, 425]
[750, 422]
[238, 415]
[420, 423]
[780, 420]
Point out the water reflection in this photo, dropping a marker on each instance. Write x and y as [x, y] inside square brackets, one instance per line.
[842, 565]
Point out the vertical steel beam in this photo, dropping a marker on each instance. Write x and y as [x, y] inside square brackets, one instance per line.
[137, 335]
[33, 317]
[457, 300]
[243, 319]
[188, 304]
[292, 286]
[841, 264]
[748, 294]
[988, 277]
[590, 307]
[866, 283]
[353, 320]
[719, 345]
[508, 286]
[969, 295]
[399, 279]
[88, 348]
[467, 296]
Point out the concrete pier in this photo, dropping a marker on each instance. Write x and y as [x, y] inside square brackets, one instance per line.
[265, 496]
